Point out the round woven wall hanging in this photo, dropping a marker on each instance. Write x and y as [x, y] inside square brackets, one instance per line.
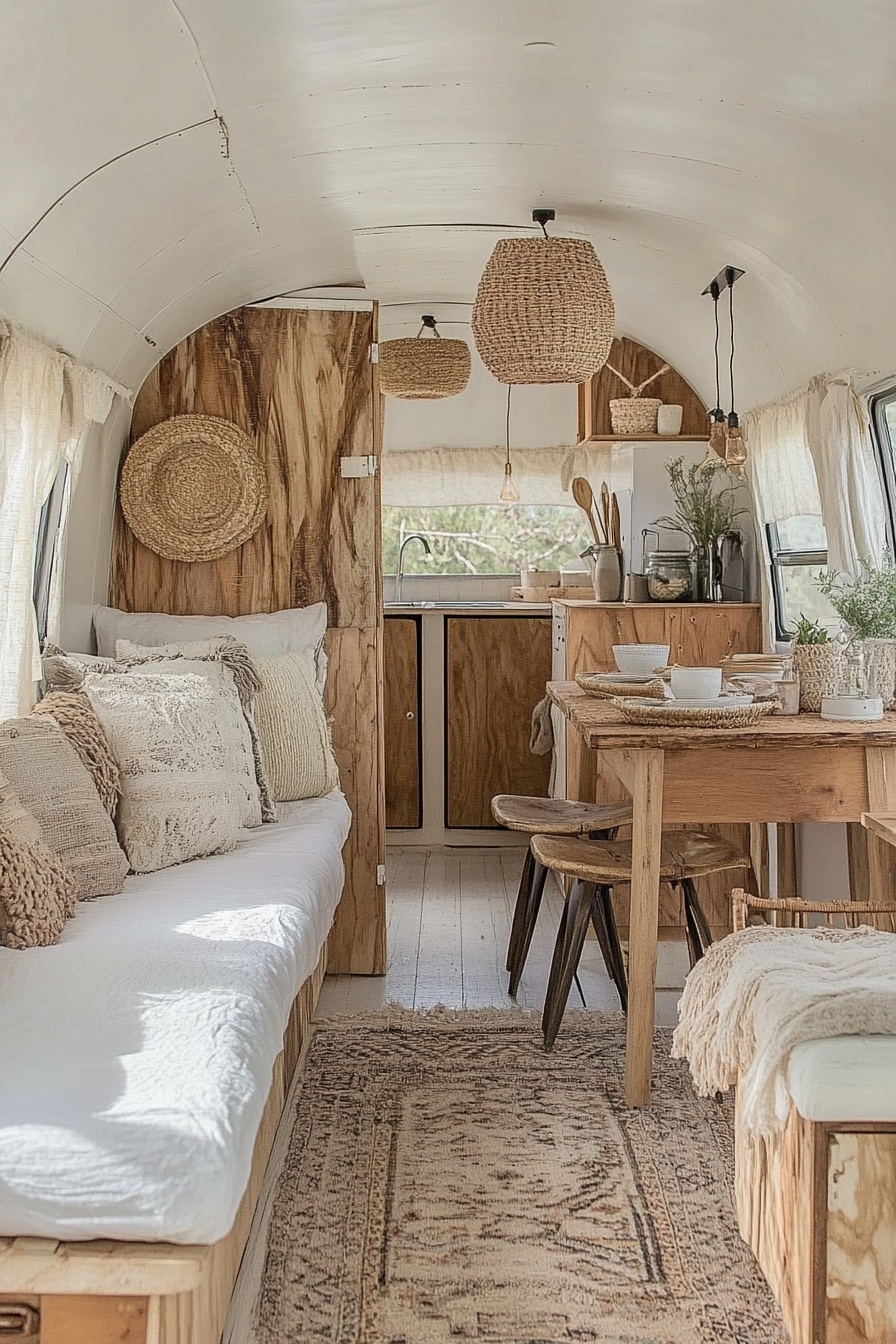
[543, 312]
[420, 369]
[194, 488]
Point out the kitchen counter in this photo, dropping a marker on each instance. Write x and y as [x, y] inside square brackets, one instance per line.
[446, 607]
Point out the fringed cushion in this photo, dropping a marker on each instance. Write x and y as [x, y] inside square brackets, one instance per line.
[37, 894]
[44, 769]
[71, 710]
[292, 725]
[15, 819]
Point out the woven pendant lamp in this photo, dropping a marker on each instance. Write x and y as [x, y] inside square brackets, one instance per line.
[543, 312]
[418, 369]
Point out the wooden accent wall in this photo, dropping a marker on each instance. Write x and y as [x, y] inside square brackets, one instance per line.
[300, 383]
[636, 362]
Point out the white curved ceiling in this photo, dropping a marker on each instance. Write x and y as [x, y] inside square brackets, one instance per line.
[298, 143]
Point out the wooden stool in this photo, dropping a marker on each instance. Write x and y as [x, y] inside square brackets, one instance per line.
[595, 866]
[546, 816]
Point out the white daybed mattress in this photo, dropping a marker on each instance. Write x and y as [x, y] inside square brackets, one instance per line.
[844, 1078]
[137, 1055]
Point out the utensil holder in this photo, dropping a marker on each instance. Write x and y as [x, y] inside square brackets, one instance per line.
[606, 572]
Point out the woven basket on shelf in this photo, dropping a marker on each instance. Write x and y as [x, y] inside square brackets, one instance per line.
[543, 312]
[194, 488]
[820, 667]
[634, 415]
[417, 368]
[665, 715]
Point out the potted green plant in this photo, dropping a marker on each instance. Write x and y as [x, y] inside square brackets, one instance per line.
[866, 603]
[705, 511]
[818, 661]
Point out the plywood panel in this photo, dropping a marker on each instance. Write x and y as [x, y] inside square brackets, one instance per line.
[93, 1320]
[496, 670]
[300, 383]
[636, 363]
[401, 721]
[700, 636]
[591, 633]
[861, 1239]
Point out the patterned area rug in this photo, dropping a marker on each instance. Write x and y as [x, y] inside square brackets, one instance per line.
[448, 1181]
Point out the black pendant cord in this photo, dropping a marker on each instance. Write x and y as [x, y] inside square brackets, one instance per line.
[507, 431]
[731, 361]
[715, 305]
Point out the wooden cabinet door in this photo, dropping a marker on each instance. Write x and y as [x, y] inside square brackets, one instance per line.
[699, 636]
[496, 668]
[401, 721]
[591, 633]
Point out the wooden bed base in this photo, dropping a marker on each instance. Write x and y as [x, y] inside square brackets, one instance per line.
[817, 1205]
[116, 1292]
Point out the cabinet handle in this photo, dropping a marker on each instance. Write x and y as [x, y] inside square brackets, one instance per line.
[410, 714]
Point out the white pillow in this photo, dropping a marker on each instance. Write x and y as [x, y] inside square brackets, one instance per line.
[175, 739]
[295, 735]
[294, 630]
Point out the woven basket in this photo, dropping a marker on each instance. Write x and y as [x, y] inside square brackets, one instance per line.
[607, 690]
[665, 715]
[543, 312]
[422, 369]
[820, 667]
[194, 488]
[634, 415]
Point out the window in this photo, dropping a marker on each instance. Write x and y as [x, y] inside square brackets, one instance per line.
[46, 550]
[484, 538]
[883, 421]
[798, 551]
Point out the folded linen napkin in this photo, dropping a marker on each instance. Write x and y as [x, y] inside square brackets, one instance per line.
[759, 993]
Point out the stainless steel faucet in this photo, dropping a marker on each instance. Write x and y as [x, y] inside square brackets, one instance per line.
[414, 536]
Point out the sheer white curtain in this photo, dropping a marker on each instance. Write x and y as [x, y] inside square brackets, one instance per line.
[849, 483]
[46, 402]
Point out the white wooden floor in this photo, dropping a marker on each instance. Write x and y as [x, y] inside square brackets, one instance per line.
[449, 913]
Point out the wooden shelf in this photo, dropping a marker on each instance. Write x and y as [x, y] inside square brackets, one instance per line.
[646, 438]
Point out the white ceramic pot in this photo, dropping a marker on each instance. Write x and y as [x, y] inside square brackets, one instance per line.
[696, 683]
[668, 420]
[637, 660]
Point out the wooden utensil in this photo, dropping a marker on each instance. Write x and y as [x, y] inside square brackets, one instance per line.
[615, 525]
[605, 508]
[584, 497]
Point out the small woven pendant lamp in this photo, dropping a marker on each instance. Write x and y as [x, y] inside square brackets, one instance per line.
[543, 312]
[423, 370]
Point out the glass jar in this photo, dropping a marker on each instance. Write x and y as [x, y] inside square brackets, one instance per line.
[668, 576]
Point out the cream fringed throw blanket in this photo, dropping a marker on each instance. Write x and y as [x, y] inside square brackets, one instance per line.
[759, 993]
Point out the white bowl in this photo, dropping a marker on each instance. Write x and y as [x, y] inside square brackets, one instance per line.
[696, 683]
[640, 658]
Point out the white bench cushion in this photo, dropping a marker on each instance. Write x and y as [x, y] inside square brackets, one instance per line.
[844, 1078]
[137, 1055]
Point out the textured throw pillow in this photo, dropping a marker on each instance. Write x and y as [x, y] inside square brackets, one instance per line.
[216, 659]
[65, 671]
[54, 786]
[293, 728]
[265, 634]
[175, 740]
[15, 819]
[71, 711]
[37, 894]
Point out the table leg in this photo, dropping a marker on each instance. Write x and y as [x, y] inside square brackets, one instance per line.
[880, 767]
[647, 826]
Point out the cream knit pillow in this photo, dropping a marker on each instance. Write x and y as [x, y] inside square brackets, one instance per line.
[176, 740]
[292, 725]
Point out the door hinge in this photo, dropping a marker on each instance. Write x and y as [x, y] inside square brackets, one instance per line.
[354, 467]
[381, 874]
[374, 353]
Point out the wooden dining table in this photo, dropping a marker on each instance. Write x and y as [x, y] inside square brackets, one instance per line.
[784, 768]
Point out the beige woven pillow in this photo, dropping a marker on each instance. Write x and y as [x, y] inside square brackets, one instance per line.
[54, 786]
[37, 894]
[71, 711]
[15, 819]
[292, 725]
[175, 741]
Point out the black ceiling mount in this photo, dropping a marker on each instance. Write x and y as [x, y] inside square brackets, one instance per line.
[724, 280]
[428, 321]
[543, 217]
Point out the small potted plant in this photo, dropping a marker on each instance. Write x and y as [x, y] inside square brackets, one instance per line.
[705, 511]
[818, 660]
[866, 603]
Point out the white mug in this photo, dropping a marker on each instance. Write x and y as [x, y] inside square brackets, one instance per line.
[668, 420]
[696, 683]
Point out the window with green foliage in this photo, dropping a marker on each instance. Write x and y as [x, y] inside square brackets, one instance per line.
[798, 551]
[484, 538]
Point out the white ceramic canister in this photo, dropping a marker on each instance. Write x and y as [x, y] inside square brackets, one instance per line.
[606, 573]
[668, 420]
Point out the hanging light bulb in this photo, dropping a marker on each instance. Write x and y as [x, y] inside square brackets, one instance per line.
[735, 448]
[509, 493]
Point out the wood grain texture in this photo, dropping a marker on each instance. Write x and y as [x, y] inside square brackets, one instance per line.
[495, 674]
[637, 362]
[94, 1320]
[860, 1277]
[703, 636]
[301, 385]
[647, 801]
[401, 734]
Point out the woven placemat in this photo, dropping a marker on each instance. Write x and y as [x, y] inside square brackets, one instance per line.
[666, 715]
[607, 690]
[194, 488]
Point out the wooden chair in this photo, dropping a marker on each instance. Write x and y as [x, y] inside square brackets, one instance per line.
[790, 912]
[549, 816]
[595, 867]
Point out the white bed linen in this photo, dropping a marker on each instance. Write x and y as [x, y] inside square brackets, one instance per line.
[844, 1078]
[137, 1055]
